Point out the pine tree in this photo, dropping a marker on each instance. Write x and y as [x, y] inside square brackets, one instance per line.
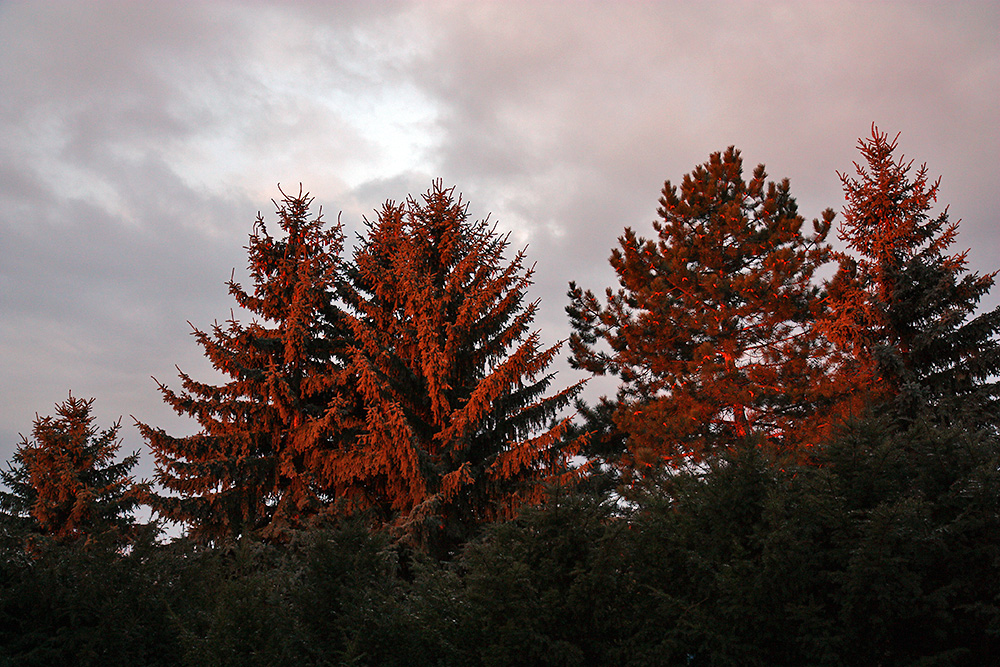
[711, 330]
[287, 405]
[457, 429]
[900, 309]
[65, 484]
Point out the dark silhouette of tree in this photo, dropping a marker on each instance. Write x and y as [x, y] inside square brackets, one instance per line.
[65, 484]
[265, 432]
[711, 330]
[458, 429]
[901, 308]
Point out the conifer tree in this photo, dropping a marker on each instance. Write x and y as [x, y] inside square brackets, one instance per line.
[711, 330]
[901, 306]
[64, 482]
[458, 427]
[264, 433]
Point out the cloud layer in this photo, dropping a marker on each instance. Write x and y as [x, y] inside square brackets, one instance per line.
[138, 141]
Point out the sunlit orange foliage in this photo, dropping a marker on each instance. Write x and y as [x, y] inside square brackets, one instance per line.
[250, 468]
[457, 426]
[899, 306]
[711, 330]
[65, 483]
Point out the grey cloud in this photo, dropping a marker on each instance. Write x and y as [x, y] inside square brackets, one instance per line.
[568, 119]
[138, 141]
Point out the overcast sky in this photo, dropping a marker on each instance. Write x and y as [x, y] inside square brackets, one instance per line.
[138, 141]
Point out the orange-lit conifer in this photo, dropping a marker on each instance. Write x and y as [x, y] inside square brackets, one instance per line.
[458, 429]
[250, 468]
[711, 330]
[900, 306]
[65, 483]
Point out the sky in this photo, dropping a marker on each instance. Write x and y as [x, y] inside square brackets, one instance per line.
[138, 141]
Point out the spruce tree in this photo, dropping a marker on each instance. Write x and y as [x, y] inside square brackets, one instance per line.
[287, 404]
[64, 483]
[711, 330]
[902, 307]
[458, 427]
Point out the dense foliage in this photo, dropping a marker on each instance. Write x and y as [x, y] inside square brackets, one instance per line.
[453, 381]
[251, 468]
[802, 472]
[65, 484]
[712, 329]
[883, 550]
[902, 308]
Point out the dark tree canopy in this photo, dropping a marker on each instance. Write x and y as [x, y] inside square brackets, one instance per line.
[711, 330]
[65, 483]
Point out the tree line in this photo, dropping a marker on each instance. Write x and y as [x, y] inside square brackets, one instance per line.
[794, 469]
